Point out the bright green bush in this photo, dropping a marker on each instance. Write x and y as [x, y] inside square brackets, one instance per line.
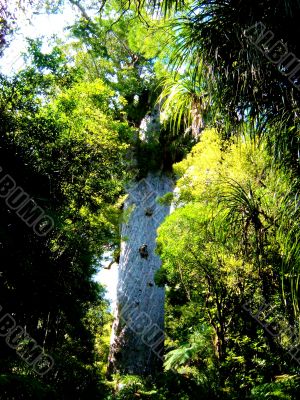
[284, 388]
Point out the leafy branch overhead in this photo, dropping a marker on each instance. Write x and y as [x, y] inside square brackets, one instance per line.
[159, 91]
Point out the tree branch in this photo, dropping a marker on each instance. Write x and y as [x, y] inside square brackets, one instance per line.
[77, 4]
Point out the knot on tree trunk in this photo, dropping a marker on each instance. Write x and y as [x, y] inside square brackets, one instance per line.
[143, 250]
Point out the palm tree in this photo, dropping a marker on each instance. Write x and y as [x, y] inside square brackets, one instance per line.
[183, 104]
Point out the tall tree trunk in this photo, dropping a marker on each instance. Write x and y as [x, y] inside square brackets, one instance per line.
[137, 337]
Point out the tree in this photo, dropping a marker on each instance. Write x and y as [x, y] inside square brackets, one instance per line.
[220, 249]
[61, 142]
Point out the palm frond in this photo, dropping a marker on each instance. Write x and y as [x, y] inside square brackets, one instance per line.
[195, 348]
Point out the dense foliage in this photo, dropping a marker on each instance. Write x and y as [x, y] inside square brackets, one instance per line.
[175, 87]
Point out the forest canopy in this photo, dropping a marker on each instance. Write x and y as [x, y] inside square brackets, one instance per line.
[203, 93]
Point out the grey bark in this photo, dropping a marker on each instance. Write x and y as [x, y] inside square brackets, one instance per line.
[137, 336]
